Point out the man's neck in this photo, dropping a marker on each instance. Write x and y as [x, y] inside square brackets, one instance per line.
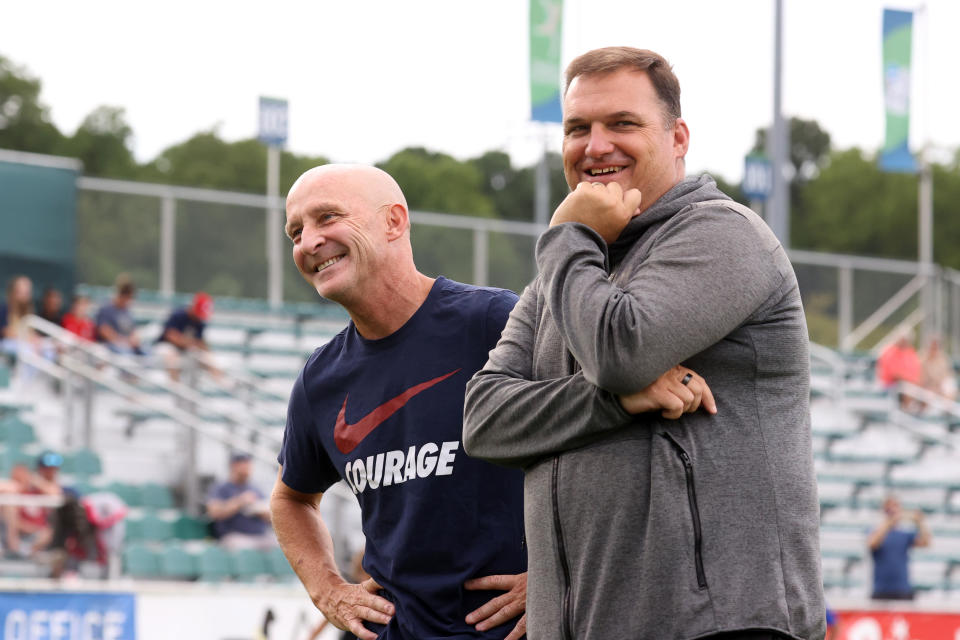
[389, 304]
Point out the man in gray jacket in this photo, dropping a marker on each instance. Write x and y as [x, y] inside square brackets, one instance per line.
[639, 527]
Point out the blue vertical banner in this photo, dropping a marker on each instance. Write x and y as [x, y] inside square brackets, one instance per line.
[897, 48]
[67, 616]
[546, 35]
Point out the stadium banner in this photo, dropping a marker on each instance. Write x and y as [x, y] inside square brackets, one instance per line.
[883, 625]
[546, 31]
[897, 45]
[68, 616]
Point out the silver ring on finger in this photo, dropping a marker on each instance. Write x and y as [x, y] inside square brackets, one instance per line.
[686, 379]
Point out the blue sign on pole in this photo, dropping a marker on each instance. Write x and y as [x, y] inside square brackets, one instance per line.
[68, 616]
[273, 122]
[757, 177]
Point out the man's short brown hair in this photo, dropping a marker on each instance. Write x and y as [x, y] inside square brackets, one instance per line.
[610, 59]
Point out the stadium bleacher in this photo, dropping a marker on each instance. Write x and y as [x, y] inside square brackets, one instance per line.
[864, 448]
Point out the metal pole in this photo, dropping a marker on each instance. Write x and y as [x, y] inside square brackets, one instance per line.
[481, 275]
[778, 142]
[925, 249]
[191, 479]
[274, 224]
[541, 208]
[88, 391]
[844, 304]
[168, 214]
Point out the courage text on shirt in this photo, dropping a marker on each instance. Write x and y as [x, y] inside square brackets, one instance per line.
[396, 467]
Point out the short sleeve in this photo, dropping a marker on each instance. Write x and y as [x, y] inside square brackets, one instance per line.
[501, 304]
[306, 465]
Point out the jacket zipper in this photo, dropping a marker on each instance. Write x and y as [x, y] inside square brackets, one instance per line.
[694, 511]
[561, 551]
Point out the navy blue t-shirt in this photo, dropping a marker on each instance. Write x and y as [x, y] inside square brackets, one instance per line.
[890, 559]
[183, 322]
[120, 320]
[387, 416]
[238, 522]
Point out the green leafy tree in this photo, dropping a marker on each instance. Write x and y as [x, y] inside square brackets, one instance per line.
[24, 121]
[102, 143]
[853, 207]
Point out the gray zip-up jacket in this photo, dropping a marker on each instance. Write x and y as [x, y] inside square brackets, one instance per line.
[637, 526]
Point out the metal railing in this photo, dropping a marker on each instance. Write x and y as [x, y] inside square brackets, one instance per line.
[82, 368]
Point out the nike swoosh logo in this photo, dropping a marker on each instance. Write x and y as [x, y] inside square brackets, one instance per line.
[347, 436]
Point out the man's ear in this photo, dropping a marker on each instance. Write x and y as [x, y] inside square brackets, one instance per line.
[398, 221]
[681, 138]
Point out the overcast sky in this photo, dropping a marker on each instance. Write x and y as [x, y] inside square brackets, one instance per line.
[365, 79]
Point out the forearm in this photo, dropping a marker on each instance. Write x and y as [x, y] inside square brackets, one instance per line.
[515, 422]
[876, 538]
[176, 338]
[700, 280]
[308, 546]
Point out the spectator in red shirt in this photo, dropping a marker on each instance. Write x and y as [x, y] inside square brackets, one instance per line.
[899, 362]
[77, 319]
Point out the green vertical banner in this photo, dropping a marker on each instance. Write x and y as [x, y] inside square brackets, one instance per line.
[546, 31]
[897, 45]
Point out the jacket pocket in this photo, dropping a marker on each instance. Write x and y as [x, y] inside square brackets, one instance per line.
[694, 509]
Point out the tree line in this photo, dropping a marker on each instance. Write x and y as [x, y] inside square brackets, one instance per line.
[840, 201]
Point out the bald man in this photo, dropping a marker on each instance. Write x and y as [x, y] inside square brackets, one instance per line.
[381, 407]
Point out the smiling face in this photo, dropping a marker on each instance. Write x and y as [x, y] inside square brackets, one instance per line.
[615, 130]
[337, 218]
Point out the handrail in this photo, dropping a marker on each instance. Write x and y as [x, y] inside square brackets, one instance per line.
[71, 365]
[176, 389]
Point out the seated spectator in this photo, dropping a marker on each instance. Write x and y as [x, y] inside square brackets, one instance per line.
[17, 305]
[28, 527]
[938, 373]
[239, 510]
[183, 334]
[115, 327]
[89, 529]
[889, 545]
[899, 362]
[51, 306]
[77, 318]
[15, 336]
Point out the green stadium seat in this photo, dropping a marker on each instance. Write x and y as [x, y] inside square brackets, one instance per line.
[175, 562]
[189, 528]
[156, 529]
[82, 487]
[84, 463]
[130, 494]
[13, 430]
[140, 562]
[12, 455]
[248, 565]
[277, 563]
[133, 530]
[156, 496]
[214, 564]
